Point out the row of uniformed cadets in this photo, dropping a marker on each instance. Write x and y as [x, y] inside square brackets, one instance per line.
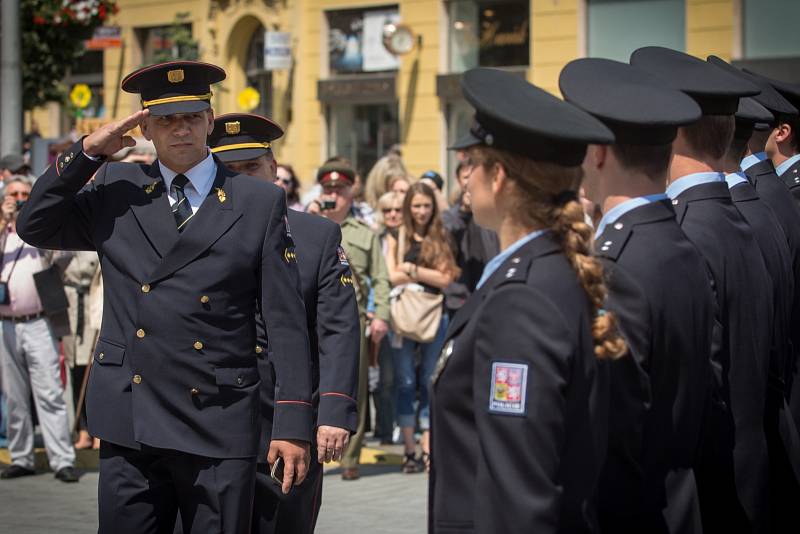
[225, 344]
[635, 377]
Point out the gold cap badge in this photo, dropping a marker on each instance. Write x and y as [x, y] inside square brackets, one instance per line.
[233, 128]
[175, 76]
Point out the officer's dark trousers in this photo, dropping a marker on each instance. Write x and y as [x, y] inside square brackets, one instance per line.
[296, 513]
[141, 492]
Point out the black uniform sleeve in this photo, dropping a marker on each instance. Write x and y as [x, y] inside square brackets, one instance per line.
[284, 317]
[520, 453]
[60, 210]
[339, 337]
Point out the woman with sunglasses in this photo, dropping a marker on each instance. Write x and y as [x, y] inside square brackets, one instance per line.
[289, 182]
[519, 395]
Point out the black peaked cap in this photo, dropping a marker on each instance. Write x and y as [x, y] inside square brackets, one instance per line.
[768, 97]
[752, 116]
[634, 104]
[716, 91]
[790, 91]
[174, 87]
[514, 115]
[242, 136]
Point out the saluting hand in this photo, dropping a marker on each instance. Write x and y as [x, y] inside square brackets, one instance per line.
[111, 138]
[331, 441]
[295, 454]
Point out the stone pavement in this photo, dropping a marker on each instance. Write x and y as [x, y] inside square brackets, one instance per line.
[383, 501]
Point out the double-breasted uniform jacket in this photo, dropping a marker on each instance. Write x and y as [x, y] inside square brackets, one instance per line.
[175, 364]
[333, 328]
[774, 193]
[792, 180]
[660, 291]
[734, 463]
[519, 404]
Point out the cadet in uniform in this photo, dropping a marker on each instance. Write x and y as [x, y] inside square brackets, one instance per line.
[732, 471]
[519, 399]
[647, 483]
[242, 142]
[174, 389]
[367, 264]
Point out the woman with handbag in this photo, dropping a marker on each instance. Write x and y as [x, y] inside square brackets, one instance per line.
[519, 397]
[421, 264]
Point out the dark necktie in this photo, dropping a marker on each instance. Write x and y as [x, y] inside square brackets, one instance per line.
[181, 210]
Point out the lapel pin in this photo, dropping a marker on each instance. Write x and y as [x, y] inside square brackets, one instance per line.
[149, 188]
[221, 194]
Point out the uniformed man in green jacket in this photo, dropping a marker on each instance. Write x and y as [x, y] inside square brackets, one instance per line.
[364, 252]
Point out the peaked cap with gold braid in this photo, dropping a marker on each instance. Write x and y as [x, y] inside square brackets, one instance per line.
[174, 87]
[242, 136]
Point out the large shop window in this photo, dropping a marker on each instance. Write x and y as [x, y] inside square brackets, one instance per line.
[355, 40]
[362, 132]
[488, 33]
[618, 27]
[770, 28]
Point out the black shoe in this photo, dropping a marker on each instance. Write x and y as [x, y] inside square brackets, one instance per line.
[67, 474]
[16, 471]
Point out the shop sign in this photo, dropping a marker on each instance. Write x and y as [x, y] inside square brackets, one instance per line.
[277, 50]
[362, 89]
[105, 37]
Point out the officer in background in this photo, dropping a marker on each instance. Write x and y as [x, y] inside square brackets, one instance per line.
[365, 255]
[519, 399]
[781, 433]
[187, 249]
[660, 291]
[243, 143]
[733, 468]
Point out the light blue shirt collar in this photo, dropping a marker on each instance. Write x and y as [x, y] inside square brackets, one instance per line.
[735, 178]
[752, 159]
[690, 180]
[201, 176]
[498, 260]
[621, 209]
[783, 167]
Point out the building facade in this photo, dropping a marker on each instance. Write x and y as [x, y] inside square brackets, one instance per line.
[344, 93]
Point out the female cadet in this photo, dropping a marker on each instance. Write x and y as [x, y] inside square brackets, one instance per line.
[519, 404]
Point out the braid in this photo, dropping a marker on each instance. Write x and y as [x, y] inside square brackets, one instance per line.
[575, 235]
[538, 184]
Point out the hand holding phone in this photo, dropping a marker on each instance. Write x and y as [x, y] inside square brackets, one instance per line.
[276, 471]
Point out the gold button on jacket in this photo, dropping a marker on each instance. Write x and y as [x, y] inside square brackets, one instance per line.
[198, 345]
[140, 333]
[259, 350]
[146, 288]
[137, 379]
[204, 299]
[194, 392]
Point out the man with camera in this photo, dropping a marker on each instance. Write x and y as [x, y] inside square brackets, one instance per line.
[365, 256]
[28, 349]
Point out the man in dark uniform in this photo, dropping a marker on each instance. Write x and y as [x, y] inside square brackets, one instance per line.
[174, 389]
[782, 438]
[732, 471]
[647, 483]
[242, 142]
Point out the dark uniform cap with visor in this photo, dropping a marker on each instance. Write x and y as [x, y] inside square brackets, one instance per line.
[635, 105]
[751, 116]
[716, 91]
[790, 91]
[768, 97]
[512, 114]
[242, 136]
[174, 87]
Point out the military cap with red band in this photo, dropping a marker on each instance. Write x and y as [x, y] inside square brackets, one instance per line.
[336, 173]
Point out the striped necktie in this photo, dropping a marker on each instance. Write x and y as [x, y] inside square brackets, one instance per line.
[181, 210]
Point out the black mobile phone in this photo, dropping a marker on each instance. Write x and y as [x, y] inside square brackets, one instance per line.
[276, 472]
[327, 205]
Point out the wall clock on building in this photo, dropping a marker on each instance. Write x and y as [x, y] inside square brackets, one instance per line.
[398, 38]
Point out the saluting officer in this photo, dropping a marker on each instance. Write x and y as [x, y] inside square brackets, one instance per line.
[660, 291]
[187, 249]
[519, 399]
[243, 142]
[732, 471]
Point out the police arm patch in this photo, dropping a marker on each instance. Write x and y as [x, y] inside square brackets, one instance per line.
[509, 388]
